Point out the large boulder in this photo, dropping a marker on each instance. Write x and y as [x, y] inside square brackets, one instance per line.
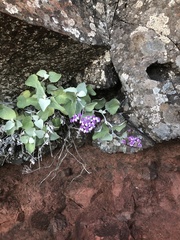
[81, 19]
[26, 48]
[146, 54]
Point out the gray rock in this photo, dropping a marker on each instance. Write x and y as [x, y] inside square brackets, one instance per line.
[25, 49]
[145, 53]
[143, 38]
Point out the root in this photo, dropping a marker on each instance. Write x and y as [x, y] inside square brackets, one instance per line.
[61, 156]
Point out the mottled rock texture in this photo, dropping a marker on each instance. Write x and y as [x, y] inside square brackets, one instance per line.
[126, 197]
[85, 20]
[146, 54]
[26, 48]
[143, 37]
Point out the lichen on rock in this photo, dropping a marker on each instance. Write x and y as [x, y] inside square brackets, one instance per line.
[146, 58]
[143, 43]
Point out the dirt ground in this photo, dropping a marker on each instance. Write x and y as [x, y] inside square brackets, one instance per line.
[121, 197]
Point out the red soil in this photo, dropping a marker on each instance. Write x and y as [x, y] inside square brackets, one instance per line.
[125, 197]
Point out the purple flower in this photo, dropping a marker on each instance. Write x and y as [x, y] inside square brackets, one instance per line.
[75, 118]
[87, 123]
[132, 142]
[123, 141]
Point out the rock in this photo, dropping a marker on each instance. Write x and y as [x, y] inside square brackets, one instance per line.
[143, 42]
[100, 73]
[82, 20]
[145, 53]
[117, 145]
[26, 48]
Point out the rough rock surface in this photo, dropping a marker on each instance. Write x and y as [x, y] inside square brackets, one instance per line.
[126, 197]
[146, 54]
[26, 48]
[143, 37]
[85, 20]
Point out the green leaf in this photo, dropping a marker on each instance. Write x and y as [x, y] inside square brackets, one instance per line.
[54, 136]
[33, 81]
[85, 99]
[79, 107]
[7, 113]
[81, 90]
[90, 107]
[18, 124]
[58, 91]
[46, 114]
[63, 109]
[104, 130]
[35, 117]
[39, 141]
[71, 89]
[27, 123]
[56, 122]
[124, 135]
[44, 103]
[107, 137]
[54, 77]
[51, 88]
[39, 123]
[43, 74]
[31, 140]
[112, 106]
[81, 94]
[9, 125]
[54, 104]
[100, 103]
[70, 108]
[88, 114]
[63, 97]
[30, 147]
[120, 127]
[81, 87]
[90, 90]
[11, 131]
[71, 96]
[40, 133]
[26, 93]
[24, 139]
[30, 132]
[23, 102]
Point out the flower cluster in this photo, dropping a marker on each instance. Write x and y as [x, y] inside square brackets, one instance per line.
[88, 123]
[132, 142]
[76, 118]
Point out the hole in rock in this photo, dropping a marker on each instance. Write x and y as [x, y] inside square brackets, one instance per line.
[159, 72]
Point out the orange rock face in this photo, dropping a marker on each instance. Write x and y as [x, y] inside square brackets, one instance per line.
[123, 197]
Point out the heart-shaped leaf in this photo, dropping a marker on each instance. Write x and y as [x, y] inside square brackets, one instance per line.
[54, 136]
[9, 125]
[43, 74]
[24, 139]
[44, 103]
[90, 107]
[40, 133]
[112, 106]
[7, 113]
[54, 77]
[81, 87]
[120, 127]
[39, 123]
[33, 81]
[30, 147]
[103, 131]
